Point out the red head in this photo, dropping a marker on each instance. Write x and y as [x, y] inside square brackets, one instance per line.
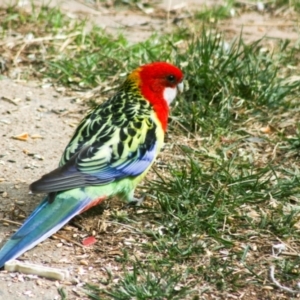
[159, 82]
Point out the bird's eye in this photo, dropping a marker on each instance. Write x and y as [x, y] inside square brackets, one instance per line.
[171, 78]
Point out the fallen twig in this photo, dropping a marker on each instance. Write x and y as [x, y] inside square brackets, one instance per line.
[26, 268]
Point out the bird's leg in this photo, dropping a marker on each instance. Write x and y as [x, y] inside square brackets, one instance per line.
[133, 201]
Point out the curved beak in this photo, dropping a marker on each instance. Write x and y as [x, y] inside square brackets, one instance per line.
[180, 87]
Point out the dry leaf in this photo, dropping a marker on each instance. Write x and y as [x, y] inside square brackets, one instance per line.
[21, 137]
[268, 129]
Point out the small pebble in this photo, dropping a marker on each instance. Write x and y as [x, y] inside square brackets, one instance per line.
[84, 262]
[4, 121]
[39, 157]
[39, 282]
[19, 202]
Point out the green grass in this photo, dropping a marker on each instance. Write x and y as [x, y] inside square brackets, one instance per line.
[215, 13]
[70, 55]
[226, 78]
[153, 280]
[230, 189]
[294, 4]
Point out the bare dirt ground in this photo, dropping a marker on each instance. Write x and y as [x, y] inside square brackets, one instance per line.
[49, 119]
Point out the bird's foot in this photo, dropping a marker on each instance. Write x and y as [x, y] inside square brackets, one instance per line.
[136, 201]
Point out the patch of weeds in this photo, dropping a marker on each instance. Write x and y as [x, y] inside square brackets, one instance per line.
[214, 13]
[209, 210]
[156, 280]
[86, 63]
[63, 50]
[294, 141]
[31, 39]
[121, 3]
[293, 4]
[226, 80]
[49, 19]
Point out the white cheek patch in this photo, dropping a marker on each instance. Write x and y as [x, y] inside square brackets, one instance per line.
[170, 94]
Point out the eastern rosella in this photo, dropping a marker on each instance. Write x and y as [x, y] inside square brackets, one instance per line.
[109, 154]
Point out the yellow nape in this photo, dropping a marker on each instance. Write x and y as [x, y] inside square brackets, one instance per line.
[134, 77]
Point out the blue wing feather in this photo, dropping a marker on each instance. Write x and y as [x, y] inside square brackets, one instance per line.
[71, 175]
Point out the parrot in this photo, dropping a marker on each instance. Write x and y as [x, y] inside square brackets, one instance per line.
[111, 151]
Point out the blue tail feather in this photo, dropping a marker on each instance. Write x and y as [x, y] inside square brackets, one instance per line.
[44, 221]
